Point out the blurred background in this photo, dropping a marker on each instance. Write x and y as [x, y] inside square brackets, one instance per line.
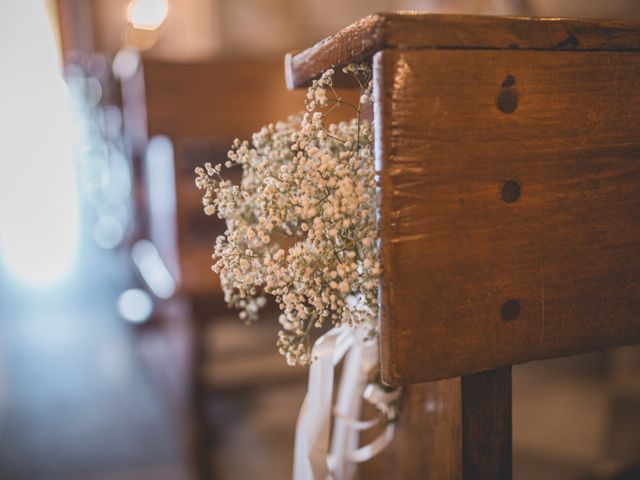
[118, 358]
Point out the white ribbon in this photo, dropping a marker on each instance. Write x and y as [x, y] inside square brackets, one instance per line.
[313, 460]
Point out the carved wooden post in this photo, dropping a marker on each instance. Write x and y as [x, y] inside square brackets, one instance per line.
[509, 152]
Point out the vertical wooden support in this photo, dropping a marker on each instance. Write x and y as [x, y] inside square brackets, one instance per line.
[428, 436]
[486, 425]
[452, 429]
[430, 421]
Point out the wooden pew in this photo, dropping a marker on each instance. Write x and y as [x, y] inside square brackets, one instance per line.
[509, 152]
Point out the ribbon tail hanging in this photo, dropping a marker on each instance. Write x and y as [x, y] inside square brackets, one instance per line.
[314, 420]
[360, 360]
[312, 458]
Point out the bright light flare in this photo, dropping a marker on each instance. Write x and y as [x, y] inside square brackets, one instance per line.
[38, 195]
[152, 269]
[135, 305]
[147, 14]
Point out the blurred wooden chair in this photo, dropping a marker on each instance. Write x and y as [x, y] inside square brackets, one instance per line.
[179, 116]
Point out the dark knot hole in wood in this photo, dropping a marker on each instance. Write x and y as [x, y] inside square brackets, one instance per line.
[508, 97]
[510, 191]
[510, 310]
[509, 81]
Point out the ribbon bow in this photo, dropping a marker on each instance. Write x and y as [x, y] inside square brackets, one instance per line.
[313, 460]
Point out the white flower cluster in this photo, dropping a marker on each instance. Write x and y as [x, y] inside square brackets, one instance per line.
[302, 224]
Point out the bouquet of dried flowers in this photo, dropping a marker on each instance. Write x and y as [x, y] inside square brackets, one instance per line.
[302, 224]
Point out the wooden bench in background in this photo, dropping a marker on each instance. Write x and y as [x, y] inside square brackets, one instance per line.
[178, 116]
[509, 151]
[201, 107]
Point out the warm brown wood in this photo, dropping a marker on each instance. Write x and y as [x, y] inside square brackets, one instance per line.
[509, 161]
[486, 425]
[459, 428]
[432, 31]
[471, 281]
[223, 98]
[428, 438]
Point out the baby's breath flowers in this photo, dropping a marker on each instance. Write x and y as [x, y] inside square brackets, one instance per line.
[302, 224]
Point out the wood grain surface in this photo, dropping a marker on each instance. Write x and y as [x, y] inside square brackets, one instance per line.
[510, 207]
[361, 40]
[451, 429]
[486, 425]
[509, 159]
[428, 439]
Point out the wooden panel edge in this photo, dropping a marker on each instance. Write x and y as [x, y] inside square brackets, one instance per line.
[382, 147]
[362, 39]
[357, 42]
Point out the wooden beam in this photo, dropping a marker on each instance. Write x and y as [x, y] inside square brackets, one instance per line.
[361, 40]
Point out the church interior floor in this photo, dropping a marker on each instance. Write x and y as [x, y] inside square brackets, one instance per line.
[75, 398]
